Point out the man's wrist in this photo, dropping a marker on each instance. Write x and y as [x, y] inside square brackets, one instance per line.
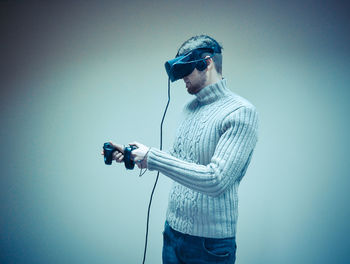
[146, 155]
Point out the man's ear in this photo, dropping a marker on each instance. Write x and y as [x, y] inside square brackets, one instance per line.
[209, 61]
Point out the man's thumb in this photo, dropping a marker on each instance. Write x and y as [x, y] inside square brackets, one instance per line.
[119, 147]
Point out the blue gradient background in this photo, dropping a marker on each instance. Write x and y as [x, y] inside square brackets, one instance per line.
[74, 75]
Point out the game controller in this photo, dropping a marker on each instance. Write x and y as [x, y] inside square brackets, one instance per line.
[108, 150]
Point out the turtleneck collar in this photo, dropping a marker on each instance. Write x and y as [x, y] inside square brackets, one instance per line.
[213, 92]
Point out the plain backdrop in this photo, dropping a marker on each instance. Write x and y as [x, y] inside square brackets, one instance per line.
[77, 74]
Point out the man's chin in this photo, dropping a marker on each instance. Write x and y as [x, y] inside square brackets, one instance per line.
[191, 91]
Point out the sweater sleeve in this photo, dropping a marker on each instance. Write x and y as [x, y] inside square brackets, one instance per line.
[228, 164]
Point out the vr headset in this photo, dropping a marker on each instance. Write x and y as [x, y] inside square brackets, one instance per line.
[183, 65]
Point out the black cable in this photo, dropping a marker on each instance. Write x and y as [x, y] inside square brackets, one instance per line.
[155, 184]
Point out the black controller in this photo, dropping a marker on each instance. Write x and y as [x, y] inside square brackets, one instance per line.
[108, 150]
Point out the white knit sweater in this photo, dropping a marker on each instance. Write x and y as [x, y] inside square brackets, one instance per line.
[212, 150]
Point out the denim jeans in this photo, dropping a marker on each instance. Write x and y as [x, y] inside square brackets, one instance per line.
[182, 248]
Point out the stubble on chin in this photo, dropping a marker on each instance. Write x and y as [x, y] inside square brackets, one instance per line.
[200, 85]
[195, 88]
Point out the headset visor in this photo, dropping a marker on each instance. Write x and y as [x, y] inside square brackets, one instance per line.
[179, 67]
[184, 65]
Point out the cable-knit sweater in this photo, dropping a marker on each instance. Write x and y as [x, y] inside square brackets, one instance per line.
[212, 150]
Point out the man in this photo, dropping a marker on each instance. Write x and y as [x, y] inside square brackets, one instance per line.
[212, 150]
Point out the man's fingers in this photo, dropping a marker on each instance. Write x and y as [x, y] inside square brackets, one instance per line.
[118, 156]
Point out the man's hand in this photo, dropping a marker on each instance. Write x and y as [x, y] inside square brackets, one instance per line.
[117, 155]
[139, 155]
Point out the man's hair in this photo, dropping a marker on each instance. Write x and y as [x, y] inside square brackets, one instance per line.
[201, 41]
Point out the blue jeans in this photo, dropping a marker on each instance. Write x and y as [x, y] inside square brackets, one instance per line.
[182, 248]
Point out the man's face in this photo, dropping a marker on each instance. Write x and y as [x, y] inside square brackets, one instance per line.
[195, 81]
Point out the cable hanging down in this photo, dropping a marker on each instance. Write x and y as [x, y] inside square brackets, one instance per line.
[155, 184]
